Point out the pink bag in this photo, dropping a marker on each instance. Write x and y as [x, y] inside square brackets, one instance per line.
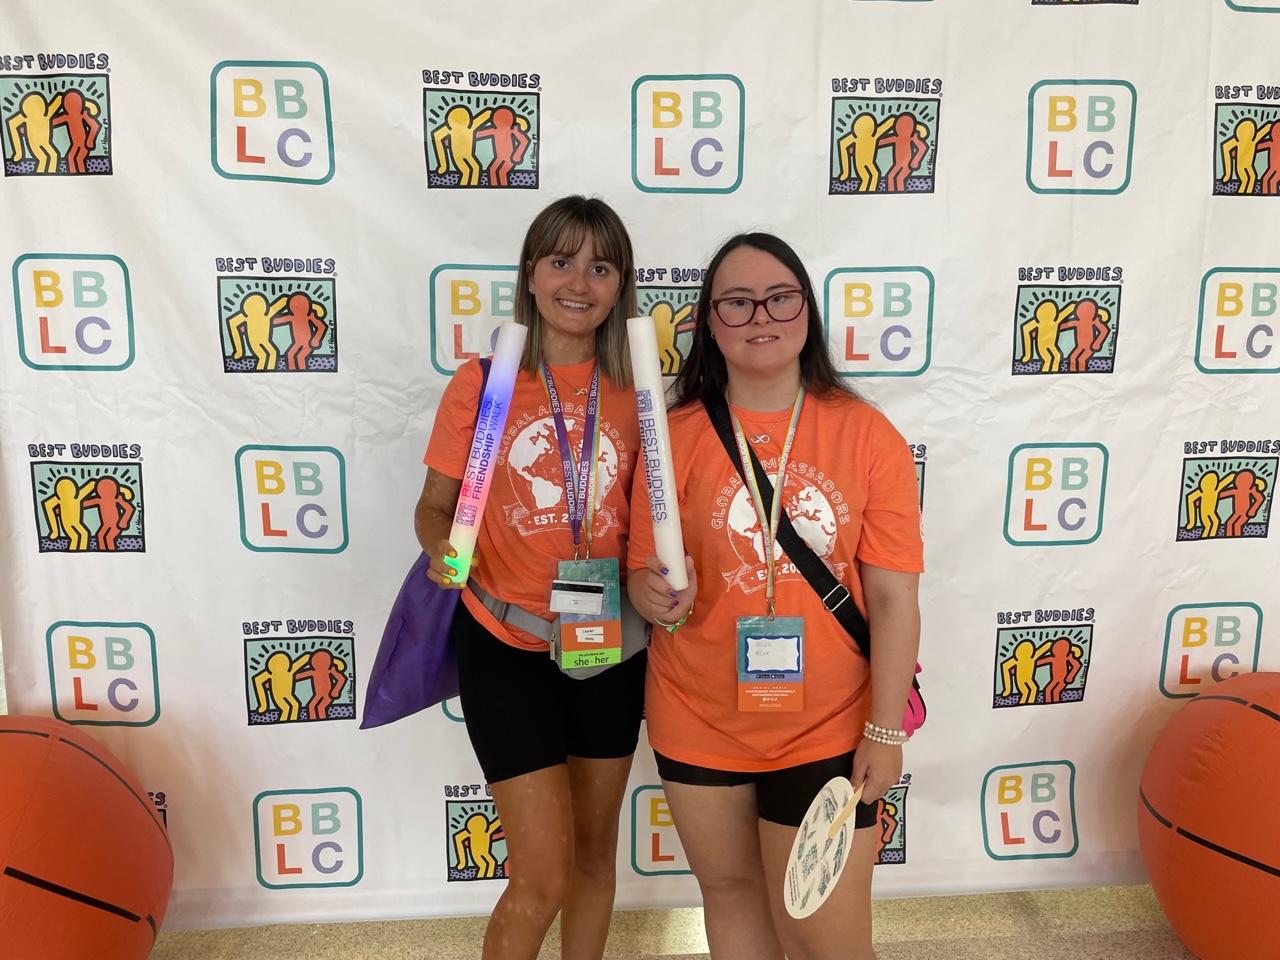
[913, 717]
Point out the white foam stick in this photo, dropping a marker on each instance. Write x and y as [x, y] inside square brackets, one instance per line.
[495, 404]
[655, 448]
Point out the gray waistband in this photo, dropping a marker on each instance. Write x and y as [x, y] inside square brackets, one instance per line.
[517, 616]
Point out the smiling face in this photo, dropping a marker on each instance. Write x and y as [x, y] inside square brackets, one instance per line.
[761, 347]
[575, 292]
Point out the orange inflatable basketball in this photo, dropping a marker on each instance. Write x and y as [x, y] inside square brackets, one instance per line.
[1207, 820]
[85, 862]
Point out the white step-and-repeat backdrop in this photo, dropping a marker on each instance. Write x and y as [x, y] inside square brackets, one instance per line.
[249, 245]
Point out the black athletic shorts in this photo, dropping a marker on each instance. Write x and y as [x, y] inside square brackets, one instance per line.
[523, 714]
[782, 796]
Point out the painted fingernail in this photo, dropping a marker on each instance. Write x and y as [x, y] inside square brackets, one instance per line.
[664, 571]
[672, 593]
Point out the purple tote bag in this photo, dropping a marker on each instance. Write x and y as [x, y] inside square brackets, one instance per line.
[417, 666]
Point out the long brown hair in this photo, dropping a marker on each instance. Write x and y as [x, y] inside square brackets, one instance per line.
[704, 374]
[561, 229]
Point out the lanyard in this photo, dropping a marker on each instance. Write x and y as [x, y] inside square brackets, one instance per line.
[580, 480]
[768, 523]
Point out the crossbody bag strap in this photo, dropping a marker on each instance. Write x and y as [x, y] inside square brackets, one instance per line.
[834, 594]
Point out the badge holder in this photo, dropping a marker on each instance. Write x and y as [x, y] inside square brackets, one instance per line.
[770, 648]
[770, 664]
[586, 596]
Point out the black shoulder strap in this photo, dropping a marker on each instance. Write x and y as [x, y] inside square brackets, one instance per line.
[835, 596]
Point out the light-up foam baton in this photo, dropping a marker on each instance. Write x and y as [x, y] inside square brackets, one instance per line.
[655, 447]
[495, 404]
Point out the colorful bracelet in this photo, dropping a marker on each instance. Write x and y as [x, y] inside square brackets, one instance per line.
[673, 627]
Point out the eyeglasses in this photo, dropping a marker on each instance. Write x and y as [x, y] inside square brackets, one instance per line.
[783, 306]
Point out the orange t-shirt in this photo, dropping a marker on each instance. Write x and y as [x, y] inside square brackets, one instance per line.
[525, 530]
[851, 493]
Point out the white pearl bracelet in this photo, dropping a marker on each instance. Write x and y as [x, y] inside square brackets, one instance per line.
[878, 734]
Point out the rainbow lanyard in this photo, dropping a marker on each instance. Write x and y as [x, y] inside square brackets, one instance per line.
[768, 523]
[580, 477]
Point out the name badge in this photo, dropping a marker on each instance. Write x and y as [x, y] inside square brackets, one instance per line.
[770, 664]
[588, 637]
[577, 596]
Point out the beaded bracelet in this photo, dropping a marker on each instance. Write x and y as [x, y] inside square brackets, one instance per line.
[673, 627]
[873, 738]
[885, 731]
[878, 734]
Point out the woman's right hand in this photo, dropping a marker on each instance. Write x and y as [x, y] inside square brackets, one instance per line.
[653, 597]
[439, 572]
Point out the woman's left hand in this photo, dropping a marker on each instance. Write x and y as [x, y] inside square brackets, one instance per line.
[876, 767]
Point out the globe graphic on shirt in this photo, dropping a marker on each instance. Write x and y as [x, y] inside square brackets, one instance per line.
[535, 468]
[810, 512]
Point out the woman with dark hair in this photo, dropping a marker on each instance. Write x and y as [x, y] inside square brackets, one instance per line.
[555, 747]
[741, 761]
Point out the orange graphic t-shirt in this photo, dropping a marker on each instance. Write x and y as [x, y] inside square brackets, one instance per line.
[850, 491]
[525, 530]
